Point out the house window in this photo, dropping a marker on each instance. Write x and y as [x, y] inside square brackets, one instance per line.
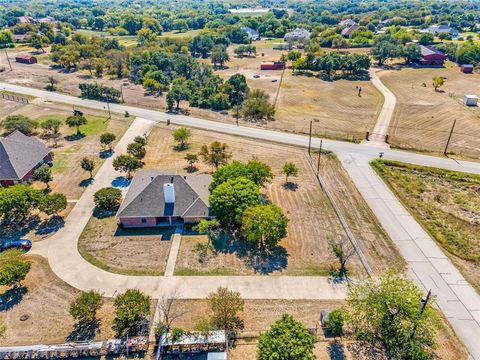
[144, 221]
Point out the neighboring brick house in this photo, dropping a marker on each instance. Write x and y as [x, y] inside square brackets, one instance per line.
[431, 56]
[20, 156]
[158, 198]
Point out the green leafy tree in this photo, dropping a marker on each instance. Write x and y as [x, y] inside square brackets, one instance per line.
[16, 202]
[84, 308]
[131, 308]
[438, 82]
[257, 107]
[336, 319]
[387, 313]
[287, 339]
[411, 52]
[425, 38]
[226, 306]
[265, 225]
[216, 154]
[385, 47]
[43, 174]
[237, 89]
[107, 139]
[181, 136]
[230, 199]
[88, 164]
[76, 121]
[19, 122]
[289, 169]
[52, 129]
[219, 56]
[107, 199]
[191, 159]
[6, 39]
[127, 164]
[254, 170]
[137, 150]
[13, 268]
[52, 204]
[178, 92]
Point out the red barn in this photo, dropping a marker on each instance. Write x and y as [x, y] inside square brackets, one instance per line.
[26, 59]
[272, 65]
[431, 56]
[467, 68]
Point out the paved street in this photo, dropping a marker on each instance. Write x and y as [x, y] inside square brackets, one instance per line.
[428, 265]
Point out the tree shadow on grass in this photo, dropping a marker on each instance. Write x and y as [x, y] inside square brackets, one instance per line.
[261, 261]
[12, 297]
[181, 147]
[121, 182]
[84, 331]
[74, 137]
[290, 186]
[85, 182]
[366, 351]
[19, 229]
[336, 351]
[51, 225]
[105, 154]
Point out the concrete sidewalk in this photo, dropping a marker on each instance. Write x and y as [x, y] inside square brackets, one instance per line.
[428, 266]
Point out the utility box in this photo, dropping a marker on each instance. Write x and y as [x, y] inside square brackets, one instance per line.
[470, 100]
[466, 68]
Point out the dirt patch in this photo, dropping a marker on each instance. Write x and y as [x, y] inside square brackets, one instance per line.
[45, 300]
[312, 220]
[423, 117]
[125, 251]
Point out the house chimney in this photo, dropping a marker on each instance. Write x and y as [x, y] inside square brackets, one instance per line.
[169, 193]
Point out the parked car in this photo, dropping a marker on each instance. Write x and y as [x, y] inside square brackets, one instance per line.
[19, 244]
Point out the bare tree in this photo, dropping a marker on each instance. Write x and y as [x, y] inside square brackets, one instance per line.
[343, 251]
[167, 312]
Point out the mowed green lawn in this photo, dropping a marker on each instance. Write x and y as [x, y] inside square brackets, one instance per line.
[94, 124]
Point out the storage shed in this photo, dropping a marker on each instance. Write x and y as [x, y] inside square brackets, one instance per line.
[272, 65]
[470, 100]
[26, 59]
[466, 68]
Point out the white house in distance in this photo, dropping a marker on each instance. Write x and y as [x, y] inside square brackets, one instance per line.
[297, 36]
[252, 33]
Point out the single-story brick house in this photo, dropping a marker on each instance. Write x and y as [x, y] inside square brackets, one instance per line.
[157, 198]
[20, 156]
[431, 56]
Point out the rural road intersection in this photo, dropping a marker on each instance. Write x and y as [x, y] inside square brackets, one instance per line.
[428, 266]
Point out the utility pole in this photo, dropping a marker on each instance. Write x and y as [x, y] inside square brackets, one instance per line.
[319, 155]
[424, 302]
[108, 107]
[449, 137]
[8, 60]
[310, 138]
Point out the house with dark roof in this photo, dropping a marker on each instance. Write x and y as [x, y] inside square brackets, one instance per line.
[349, 30]
[157, 198]
[443, 29]
[347, 23]
[431, 56]
[20, 156]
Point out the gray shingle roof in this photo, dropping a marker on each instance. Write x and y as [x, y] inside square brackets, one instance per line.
[146, 198]
[19, 154]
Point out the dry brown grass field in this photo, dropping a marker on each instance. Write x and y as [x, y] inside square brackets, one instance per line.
[312, 220]
[125, 251]
[335, 104]
[45, 300]
[259, 315]
[424, 117]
